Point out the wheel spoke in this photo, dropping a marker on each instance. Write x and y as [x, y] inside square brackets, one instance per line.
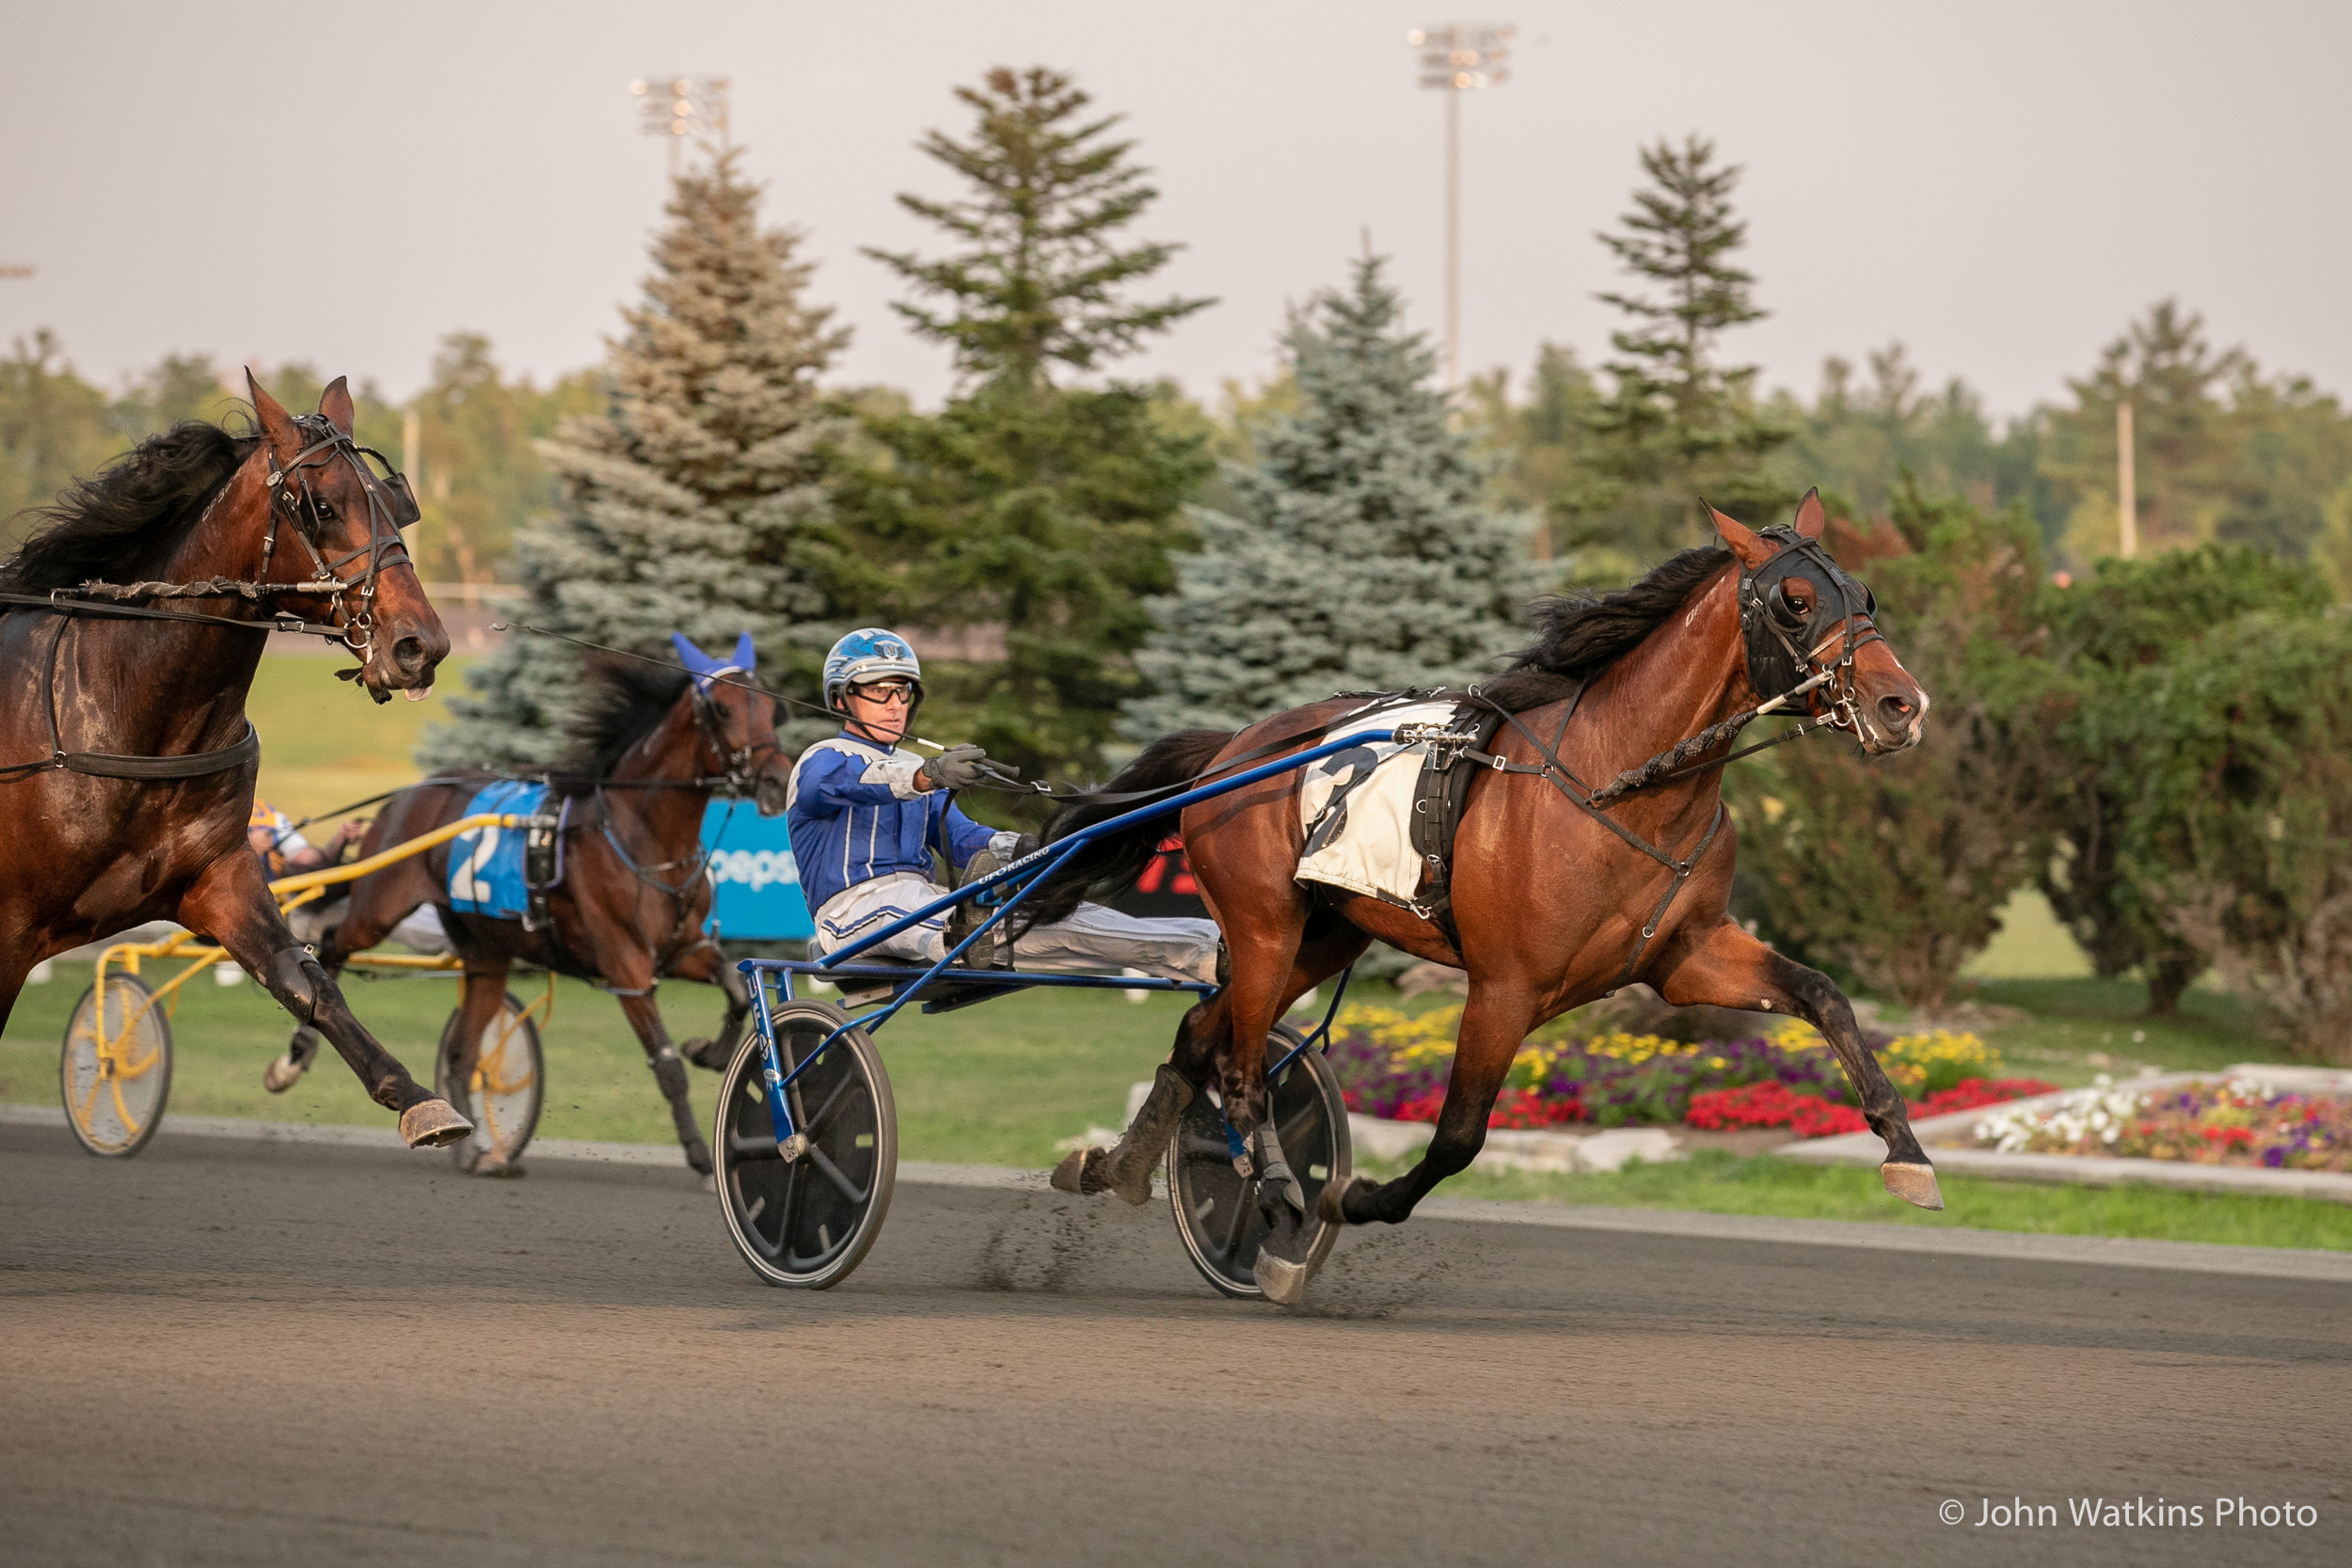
[832, 1173]
[822, 1117]
[748, 1149]
[1240, 1220]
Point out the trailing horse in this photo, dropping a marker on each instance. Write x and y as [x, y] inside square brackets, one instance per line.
[126, 762]
[628, 899]
[1577, 869]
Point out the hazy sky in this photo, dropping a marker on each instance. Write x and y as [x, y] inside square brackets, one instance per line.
[2001, 185]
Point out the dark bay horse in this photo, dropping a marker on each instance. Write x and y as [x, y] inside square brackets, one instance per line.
[1554, 909]
[126, 763]
[630, 910]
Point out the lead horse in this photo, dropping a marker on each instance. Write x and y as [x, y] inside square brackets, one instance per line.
[629, 898]
[1562, 887]
[126, 761]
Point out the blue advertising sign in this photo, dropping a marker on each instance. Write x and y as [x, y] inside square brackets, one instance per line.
[756, 888]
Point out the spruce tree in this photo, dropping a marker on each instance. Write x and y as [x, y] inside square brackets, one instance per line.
[1048, 509]
[1358, 555]
[1677, 425]
[697, 500]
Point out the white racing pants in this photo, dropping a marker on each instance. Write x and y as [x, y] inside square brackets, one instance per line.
[1096, 937]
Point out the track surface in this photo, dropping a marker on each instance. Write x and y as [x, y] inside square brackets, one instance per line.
[253, 1354]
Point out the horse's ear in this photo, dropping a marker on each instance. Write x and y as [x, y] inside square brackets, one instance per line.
[276, 424]
[335, 402]
[742, 658]
[691, 657]
[1809, 516]
[1753, 551]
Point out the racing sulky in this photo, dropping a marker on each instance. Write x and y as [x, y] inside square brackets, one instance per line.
[1593, 850]
[619, 897]
[131, 625]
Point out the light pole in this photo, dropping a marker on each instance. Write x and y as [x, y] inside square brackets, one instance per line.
[1458, 57]
[682, 106]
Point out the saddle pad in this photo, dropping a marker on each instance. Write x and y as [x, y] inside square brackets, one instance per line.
[485, 865]
[1357, 806]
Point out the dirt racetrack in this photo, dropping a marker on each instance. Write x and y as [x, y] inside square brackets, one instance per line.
[241, 1353]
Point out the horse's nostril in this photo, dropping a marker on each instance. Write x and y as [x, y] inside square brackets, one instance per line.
[409, 652]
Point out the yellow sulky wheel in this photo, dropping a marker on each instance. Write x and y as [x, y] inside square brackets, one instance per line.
[502, 1095]
[115, 1072]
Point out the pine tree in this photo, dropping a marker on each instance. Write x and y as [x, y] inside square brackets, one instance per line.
[1049, 511]
[1677, 425]
[1358, 556]
[696, 502]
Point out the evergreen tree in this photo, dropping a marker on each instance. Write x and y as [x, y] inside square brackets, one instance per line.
[695, 501]
[1359, 555]
[1046, 510]
[1675, 424]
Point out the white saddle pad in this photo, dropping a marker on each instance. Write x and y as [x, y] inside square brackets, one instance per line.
[1357, 806]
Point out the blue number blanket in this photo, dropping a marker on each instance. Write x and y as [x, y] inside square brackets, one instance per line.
[485, 866]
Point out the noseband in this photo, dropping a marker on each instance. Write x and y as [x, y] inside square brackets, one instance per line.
[1784, 645]
[391, 506]
[738, 777]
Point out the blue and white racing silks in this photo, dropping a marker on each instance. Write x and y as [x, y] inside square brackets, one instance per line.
[856, 814]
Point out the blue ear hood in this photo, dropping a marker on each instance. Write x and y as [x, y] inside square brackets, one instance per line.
[703, 666]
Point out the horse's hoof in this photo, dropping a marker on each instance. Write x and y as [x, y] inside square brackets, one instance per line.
[495, 1166]
[1914, 1184]
[1283, 1281]
[282, 1074]
[698, 1156]
[1332, 1205]
[433, 1124]
[1070, 1175]
[705, 1053]
[1134, 1189]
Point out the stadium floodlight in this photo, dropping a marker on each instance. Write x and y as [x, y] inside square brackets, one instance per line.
[1458, 57]
[678, 107]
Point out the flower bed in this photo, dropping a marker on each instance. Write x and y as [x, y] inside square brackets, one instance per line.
[1396, 1066]
[2232, 1122]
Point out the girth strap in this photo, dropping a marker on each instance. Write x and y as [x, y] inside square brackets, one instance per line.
[192, 765]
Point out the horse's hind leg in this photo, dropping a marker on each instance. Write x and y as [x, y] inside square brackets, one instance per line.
[1494, 1021]
[479, 997]
[1125, 1168]
[231, 903]
[1729, 968]
[705, 961]
[669, 1071]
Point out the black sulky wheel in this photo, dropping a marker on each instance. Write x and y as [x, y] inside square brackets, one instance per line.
[1217, 1211]
[809, 1221]
[503, 1095]
[115, 1072]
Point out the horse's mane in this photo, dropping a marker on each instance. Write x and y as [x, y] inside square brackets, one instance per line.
[626, 700]
[134, 511]
[1578, 637]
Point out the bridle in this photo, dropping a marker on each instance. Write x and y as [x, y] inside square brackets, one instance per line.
[391, 506]
[739, 777]
[1771, 626]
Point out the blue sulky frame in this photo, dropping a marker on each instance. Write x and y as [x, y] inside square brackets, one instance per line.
[967, 986]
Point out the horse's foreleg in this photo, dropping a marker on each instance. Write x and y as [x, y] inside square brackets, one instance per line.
[705, 962]
[1494, 1021]
[1729, 968]
[231, 904]
[669, 1071]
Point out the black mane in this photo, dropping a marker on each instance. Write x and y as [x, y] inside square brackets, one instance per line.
[1578, 637]
[131, 514]
[627, 700]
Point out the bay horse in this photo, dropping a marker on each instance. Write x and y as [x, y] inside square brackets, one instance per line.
[1555, 903]
[126, 760]
[632, 900]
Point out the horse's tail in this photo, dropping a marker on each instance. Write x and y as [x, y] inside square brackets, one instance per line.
[1112, 865]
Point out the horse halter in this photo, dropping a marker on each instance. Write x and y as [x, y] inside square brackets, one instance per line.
[1784, 643]
[391, 506]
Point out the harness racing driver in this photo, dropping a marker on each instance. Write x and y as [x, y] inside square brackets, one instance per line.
[865, 817]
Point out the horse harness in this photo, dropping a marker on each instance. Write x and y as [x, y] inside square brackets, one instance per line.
[391, 506]
[1779, 666]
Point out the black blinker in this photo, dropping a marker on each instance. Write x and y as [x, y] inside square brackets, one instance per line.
[404, 499]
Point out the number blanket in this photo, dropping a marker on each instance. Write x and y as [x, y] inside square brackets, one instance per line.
[1357, 809]
[485, 866]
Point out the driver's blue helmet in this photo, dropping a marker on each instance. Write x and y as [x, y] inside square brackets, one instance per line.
[869, 654]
